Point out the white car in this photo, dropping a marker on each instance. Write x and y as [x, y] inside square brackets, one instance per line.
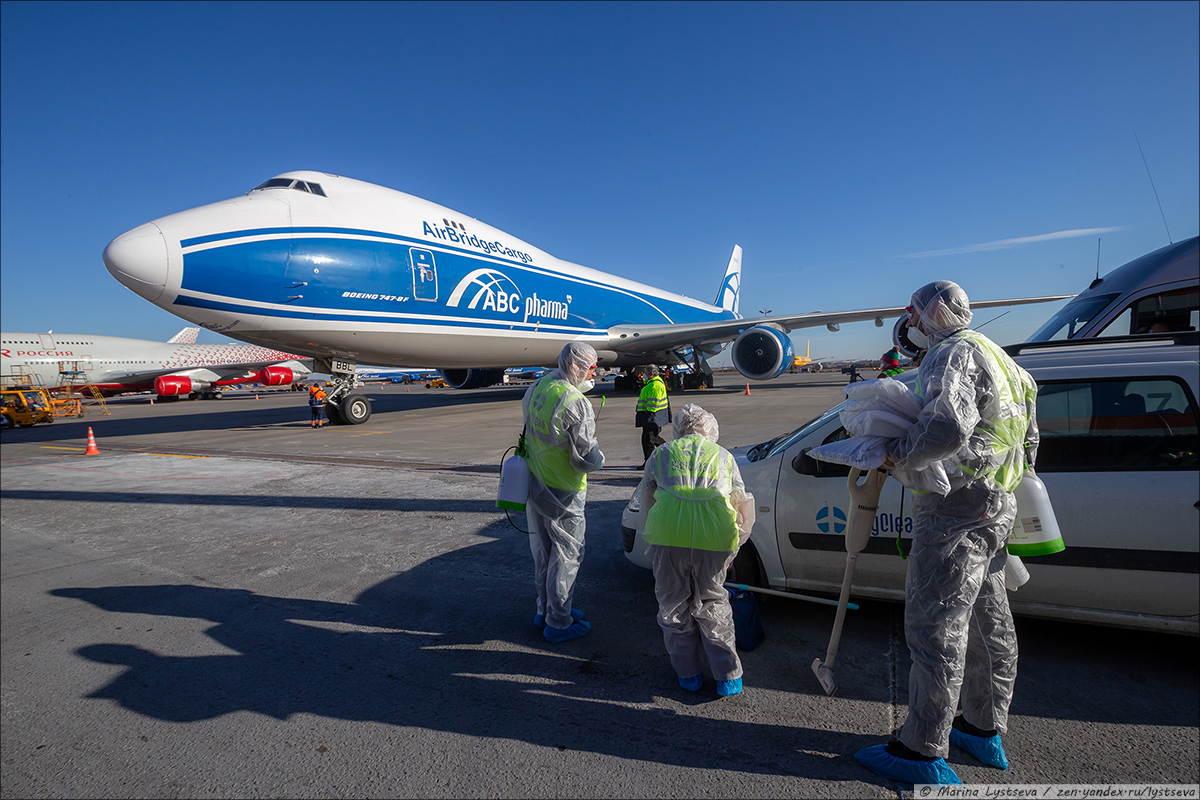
[1119, 456]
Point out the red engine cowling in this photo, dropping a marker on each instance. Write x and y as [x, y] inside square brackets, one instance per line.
[173, 385]
[275, 376]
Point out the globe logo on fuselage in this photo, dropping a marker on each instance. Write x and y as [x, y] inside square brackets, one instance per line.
[487, 290]
[839, 520]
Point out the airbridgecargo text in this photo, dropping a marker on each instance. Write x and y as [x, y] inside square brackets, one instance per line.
[461, 237]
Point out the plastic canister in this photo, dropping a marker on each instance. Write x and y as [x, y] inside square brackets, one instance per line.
[514, 484]
[1015, 574]
[1035, 532]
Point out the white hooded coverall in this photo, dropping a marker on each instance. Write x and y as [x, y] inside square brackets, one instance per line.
[560, 430]
[979, 420]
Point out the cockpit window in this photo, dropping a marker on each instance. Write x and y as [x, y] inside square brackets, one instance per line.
[288, 183]
[275, 183]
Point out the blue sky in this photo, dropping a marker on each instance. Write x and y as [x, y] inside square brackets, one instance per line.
[854, 151]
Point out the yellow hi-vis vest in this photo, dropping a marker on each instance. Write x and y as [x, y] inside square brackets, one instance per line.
[653, 398]
[1004, 435]
[691, 505]
[549, 450]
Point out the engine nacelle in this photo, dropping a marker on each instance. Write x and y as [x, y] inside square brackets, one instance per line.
[274, 376]
[176, 385]
[762, 353]
[471, 378]
[901, 340]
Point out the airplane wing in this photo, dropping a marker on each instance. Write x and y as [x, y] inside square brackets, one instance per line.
[645, 340]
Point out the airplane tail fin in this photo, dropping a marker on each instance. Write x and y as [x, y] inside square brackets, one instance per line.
[731, 286]
[185, 336]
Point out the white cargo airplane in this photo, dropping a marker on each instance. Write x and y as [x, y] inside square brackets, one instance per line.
[349, 272]
[114, 365]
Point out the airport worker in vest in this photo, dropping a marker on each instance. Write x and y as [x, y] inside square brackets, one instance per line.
[889, 364]
[698, 514]
[653, 412]
[978, 420]
[316, 403]
[560, 435]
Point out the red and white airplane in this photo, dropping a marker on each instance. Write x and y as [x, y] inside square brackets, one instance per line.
[177, 367]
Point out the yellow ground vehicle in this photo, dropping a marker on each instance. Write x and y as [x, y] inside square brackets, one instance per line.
[24, 407]
[436, 383]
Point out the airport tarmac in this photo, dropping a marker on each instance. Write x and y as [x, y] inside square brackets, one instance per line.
[226, 603]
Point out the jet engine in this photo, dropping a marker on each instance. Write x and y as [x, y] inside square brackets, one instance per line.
[274, 376]
[762, 353]
[176, 385]
[901, 339]
[471, 378]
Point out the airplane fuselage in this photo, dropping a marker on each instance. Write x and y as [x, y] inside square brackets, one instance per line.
[115, 364]
[385, 277]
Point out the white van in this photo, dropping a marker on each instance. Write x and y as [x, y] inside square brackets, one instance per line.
[1120, 457]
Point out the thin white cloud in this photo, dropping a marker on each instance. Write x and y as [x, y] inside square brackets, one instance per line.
[1004, 244]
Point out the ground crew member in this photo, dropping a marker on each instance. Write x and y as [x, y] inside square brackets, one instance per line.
[889, 363]
[316, 403]
[698, 514]
[653, 412]
[560, 434]
[979, 420]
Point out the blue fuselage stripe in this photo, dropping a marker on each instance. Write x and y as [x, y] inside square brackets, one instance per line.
[404, 281]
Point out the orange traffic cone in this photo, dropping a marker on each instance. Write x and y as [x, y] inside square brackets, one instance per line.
[92, 450]
[256, 395]
[151, 399]
[747, 388]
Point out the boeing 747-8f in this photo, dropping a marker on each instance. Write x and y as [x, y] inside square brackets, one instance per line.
[349, 272]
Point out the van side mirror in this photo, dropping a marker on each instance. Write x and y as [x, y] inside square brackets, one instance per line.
[805, 464]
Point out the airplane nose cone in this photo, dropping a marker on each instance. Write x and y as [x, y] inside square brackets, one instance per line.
[138, 259]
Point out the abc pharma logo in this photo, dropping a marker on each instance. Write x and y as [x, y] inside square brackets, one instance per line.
[486, 290]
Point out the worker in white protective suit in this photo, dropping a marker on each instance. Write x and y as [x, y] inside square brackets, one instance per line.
[698, 514]
[979, 420]
[560, 434]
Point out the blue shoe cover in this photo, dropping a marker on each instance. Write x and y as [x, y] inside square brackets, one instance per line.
[693, 683]
[556, 635]
[986, 748]
[539, 620]
[726, 688]
[904, 770]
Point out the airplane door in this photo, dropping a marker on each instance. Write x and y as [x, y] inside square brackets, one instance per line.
[47, 341]
[424, 274]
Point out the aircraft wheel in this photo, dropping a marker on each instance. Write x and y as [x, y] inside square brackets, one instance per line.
[355, 409]
[333, 414]
[193, 395]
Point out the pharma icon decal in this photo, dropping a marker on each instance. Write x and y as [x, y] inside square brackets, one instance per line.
[831, 520]
[487, 290]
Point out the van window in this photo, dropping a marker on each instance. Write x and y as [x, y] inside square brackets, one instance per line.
[1072, 318]
[1116, 425]
[1161, 313]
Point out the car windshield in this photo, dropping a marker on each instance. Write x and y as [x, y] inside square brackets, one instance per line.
[1072, 318]
[781, 443]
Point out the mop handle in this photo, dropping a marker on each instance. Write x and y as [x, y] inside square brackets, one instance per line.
[836, 635]
[790, 595]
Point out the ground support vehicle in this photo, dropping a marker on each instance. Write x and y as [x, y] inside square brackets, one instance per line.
[23, 407]
[1119, 455]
